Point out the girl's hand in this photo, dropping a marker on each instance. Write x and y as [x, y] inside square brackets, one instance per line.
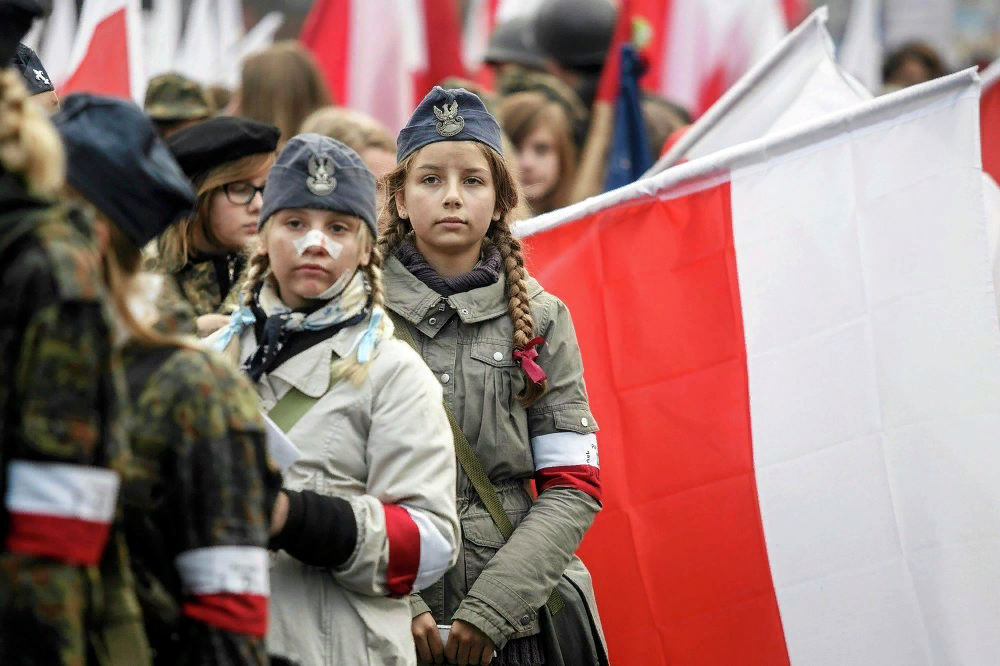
[427, 639]
[279, 514]
[467, 646]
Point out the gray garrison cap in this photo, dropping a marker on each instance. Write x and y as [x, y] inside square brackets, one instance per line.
[320, 173]
[449, 115]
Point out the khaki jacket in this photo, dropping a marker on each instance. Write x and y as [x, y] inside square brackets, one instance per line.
[466, 340]
[385, 443]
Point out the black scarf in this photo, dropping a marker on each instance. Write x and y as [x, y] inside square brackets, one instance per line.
[486, 272]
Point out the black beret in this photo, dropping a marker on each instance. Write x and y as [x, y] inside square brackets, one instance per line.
[117, 161]
[36, 79]
[216, 141]
[449, 115]
[320, 173]
[16, 17]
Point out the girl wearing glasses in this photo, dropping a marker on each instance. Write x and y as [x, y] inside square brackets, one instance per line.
[227, 160]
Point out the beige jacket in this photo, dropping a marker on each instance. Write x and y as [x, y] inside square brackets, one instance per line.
[387, 448]
[466, 341]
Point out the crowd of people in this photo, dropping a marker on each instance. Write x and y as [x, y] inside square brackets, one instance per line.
[188, 283]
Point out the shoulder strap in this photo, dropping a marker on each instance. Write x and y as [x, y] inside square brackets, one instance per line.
[292, 407]
[473, 467]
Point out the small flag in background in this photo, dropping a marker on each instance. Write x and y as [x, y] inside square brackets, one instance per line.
[793, 350]
[107, 51]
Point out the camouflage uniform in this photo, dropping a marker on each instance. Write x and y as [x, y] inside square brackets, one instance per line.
[60, 391]
[209, 285]
[174, 102]
[200, 481]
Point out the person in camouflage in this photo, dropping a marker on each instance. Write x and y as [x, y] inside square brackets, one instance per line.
[62, 444]
[175, 102]
[200, 487]
[227, 159]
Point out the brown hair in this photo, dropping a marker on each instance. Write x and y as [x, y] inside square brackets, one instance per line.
[356, 130]
[29, 145]
[259, 269]
[394, 230]
[281, 86]
[175, 244]
[521, 114]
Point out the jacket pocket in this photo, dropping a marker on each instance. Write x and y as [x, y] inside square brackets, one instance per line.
[481, 539]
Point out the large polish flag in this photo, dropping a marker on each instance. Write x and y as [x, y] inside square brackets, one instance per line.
[797, 82]
[383, 56]
[107, 51]
[793, 351]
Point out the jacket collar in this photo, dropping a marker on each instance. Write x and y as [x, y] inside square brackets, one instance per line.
[412, 299]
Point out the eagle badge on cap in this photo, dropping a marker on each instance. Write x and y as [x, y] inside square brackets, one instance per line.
[321, 181]
[449, 122]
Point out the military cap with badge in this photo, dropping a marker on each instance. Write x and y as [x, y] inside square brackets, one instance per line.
[450, 115]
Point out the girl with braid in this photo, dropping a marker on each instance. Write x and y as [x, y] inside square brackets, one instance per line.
[506, 356]
[367, 515]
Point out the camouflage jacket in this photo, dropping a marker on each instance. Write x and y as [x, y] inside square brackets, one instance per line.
[209, 285]
[198, 501]
[61, 440]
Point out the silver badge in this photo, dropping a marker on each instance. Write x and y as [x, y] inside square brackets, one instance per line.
[40, 76]
[449, 122]
[321, 181]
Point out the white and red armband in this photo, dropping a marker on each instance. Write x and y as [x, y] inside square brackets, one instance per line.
[419, 554]
[60, 510]
[226, 587]
[567, 460]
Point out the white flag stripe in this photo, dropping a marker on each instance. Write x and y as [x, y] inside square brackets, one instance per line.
[57, 46]
[62, 490]
[224, 570]
[991, 75]
[564, 449]
[435, 551]
[877, 469]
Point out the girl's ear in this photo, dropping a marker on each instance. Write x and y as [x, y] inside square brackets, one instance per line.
[496, 215]
[401, 205]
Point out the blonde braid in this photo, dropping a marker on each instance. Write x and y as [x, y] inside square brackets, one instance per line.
[518, 302]
[350, 368]
[29, 145]
[257, 270]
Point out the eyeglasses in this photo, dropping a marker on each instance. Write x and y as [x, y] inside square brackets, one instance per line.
[242, 193]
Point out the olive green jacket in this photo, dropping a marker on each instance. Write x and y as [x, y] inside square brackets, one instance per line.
[466, 340]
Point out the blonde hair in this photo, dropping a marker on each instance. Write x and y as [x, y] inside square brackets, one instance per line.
[282, 85]
[523, 113]
[395, 229]
[358, 131]
[29, 145]
[174, 246]
[259, 269]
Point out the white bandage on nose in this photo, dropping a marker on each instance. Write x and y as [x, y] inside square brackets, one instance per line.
[316, 238]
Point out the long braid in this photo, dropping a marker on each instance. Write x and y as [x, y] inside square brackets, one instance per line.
[29, 144]
[349, 367]
[518, 302]
[257, 269]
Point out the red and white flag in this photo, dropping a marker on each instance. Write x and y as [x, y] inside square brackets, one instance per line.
[107, 51]
[989, 110]
[798, 82]
[697, 48]
[794, 354]
[382, 56]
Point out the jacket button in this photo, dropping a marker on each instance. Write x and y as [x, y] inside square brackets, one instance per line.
[525, 620]
[584, 422]
[497, 356]
[445, 378]
[465, 311]
[432, 321]
[441, 307]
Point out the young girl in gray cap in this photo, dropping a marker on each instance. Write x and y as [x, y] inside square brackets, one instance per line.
[506, 356]
[368, 512]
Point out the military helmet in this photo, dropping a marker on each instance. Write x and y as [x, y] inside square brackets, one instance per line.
[174, 97]
[513, 42]
[575, 33]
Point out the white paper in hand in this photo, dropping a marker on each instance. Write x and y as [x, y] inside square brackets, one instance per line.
[282, 451]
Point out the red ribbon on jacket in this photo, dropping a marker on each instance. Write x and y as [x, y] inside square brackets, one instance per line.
[527, 358]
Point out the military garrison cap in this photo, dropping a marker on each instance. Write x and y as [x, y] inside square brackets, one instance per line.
[513, 41]
[575, 33]
[36, 79]
[174, 97]
[116, 159]
[320, 173]
[449, 115]
[216, 141]
[16, 17]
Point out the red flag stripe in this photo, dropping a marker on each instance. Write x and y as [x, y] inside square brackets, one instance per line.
[690, 506]
[326, 32]
[989, 122]
[69, 540]
[105, 68]
[404, 549]
[238, 613]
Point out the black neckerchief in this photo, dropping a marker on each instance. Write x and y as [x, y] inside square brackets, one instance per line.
[486, 272]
